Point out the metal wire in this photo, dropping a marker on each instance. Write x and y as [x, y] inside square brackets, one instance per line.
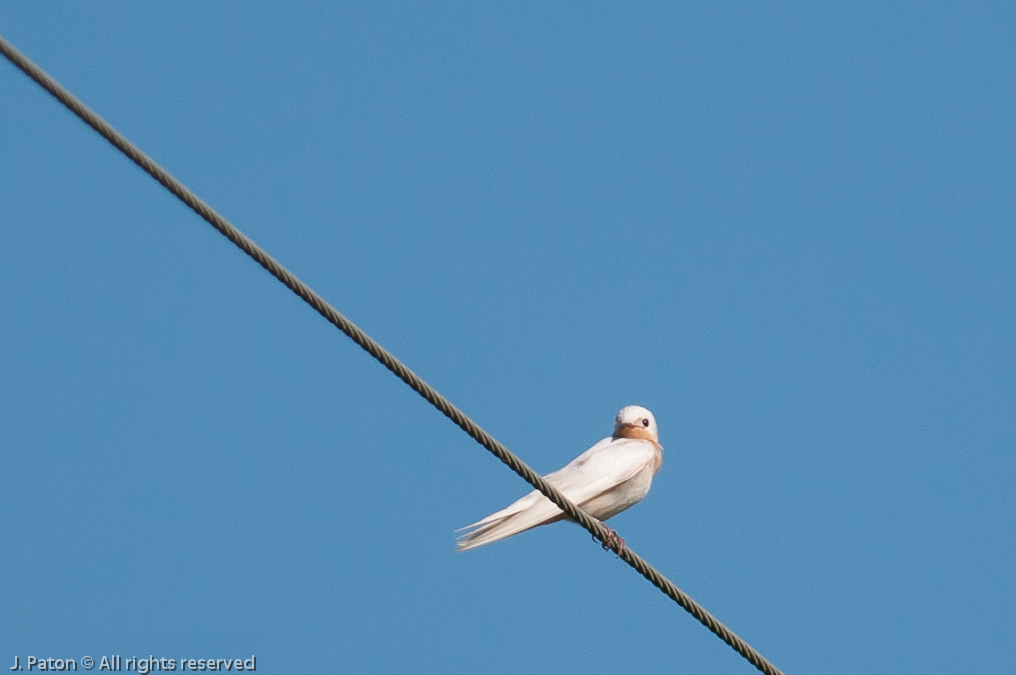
[594, 526]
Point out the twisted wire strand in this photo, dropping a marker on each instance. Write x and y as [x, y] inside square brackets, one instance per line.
[207, 213]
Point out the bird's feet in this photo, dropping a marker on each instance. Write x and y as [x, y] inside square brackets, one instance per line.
[613, 543]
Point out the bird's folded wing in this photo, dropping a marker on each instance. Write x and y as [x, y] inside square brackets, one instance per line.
[602, 468]
[599, 469]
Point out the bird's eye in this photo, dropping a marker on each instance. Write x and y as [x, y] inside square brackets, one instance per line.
[645, 421]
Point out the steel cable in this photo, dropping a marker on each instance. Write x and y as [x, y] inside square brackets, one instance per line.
[595, 527]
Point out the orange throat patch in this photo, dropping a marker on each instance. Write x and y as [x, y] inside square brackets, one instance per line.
[634, 431]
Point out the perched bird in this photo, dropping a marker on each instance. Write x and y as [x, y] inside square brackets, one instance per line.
[604, 480]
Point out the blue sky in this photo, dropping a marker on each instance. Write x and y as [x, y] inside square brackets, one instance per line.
[786, 229]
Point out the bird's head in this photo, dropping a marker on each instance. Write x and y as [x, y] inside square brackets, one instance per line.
[634, 421]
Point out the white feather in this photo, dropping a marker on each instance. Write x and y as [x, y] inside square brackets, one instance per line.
[604, 480]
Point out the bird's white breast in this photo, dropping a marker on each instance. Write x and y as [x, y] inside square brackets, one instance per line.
[622, 496]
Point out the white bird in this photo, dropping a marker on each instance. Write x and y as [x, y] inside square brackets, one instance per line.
[604, 480]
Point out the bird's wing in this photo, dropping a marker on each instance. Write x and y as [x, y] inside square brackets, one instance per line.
[600, 468]
[557, 479]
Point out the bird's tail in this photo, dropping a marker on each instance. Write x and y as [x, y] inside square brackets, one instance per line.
[507, 522]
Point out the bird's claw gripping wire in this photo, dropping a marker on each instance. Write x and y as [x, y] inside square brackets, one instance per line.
[613, 542]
